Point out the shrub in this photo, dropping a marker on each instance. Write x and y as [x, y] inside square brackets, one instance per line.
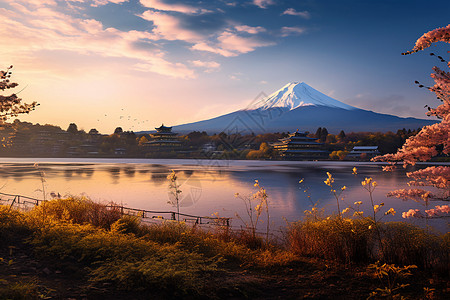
[79, 210]
[406, 244]
[12, 223]
[21, 291]
[127, 224]
[334, 238]
[351, 240]
[129, 261]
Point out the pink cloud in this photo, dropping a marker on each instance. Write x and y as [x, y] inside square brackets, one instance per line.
[170, 28]
[230, 44]
[202, 46]
[160, 5]
[250, 29]
[101, 2]
[263, 3]
[210, 66]
[290, 11]
[29, 30]
[287, 31]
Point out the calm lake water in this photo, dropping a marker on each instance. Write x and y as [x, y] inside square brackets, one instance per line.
[208, 186]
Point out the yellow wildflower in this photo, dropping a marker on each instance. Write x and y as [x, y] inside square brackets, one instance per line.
[301, 180]
[391, 211]
[355, 170]
[358, 203]
[343, 188]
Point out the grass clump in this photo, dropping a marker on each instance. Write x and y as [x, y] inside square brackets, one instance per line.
[355, 241]
[176, 260]
[128, 261]
[12, 224]
[78, 210]
[20, 291]
[332, 238]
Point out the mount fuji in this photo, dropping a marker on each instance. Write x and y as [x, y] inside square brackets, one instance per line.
[299, 106]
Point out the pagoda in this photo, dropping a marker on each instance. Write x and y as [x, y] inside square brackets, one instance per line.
[298, 146]
[164, 139]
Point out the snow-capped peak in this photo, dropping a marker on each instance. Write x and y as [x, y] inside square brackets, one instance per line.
[294, 95]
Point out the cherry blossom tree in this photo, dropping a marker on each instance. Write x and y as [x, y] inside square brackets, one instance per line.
[431, 141]
[11, 105]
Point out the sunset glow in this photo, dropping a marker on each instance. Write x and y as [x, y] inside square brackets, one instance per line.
[137, 64]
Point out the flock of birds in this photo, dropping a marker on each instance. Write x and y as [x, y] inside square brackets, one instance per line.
[130, 121]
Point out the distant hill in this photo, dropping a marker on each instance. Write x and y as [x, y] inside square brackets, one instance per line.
[299, 106]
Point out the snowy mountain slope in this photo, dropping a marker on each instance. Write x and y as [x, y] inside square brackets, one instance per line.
[294, 95]
[299, 106]
[304, 118]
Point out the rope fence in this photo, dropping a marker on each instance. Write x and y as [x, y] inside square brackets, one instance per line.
[150, 216]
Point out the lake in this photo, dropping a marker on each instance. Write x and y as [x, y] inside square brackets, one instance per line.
[209, 186]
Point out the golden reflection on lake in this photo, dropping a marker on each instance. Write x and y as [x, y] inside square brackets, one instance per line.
[206, 187]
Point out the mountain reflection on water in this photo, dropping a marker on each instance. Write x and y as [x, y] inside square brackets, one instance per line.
[208, 186]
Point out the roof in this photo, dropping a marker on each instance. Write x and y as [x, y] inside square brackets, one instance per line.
[163, 128]
[365, 148]
[305, 151]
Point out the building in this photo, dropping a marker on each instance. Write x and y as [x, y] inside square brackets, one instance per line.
[298, 146]
[363, 152]
[163, 140]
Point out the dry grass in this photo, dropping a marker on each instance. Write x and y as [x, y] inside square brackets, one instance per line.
[351, 241]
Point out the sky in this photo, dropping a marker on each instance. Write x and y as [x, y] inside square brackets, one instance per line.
[140, 63]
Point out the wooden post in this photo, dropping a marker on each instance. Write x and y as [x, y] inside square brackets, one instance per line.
[12, 203]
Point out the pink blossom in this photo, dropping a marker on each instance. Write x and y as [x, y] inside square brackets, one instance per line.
[438, 211]
[389, 168]
[412, 213]
[433, 36]
[417, 195]
[431, 141]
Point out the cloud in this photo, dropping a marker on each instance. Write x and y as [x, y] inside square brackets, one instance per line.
[250, 29]
[170, 28]
[287, 31]
[210, 66]
[160, 5]
[235, 76]
[102, 2]
[34, 30]
[203, 46]
[263, 3]
[230, 44]
[292, 12]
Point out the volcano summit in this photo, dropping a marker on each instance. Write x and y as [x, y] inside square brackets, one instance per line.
[299, 106]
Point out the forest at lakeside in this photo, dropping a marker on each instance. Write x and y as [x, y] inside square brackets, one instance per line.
[24, 139]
